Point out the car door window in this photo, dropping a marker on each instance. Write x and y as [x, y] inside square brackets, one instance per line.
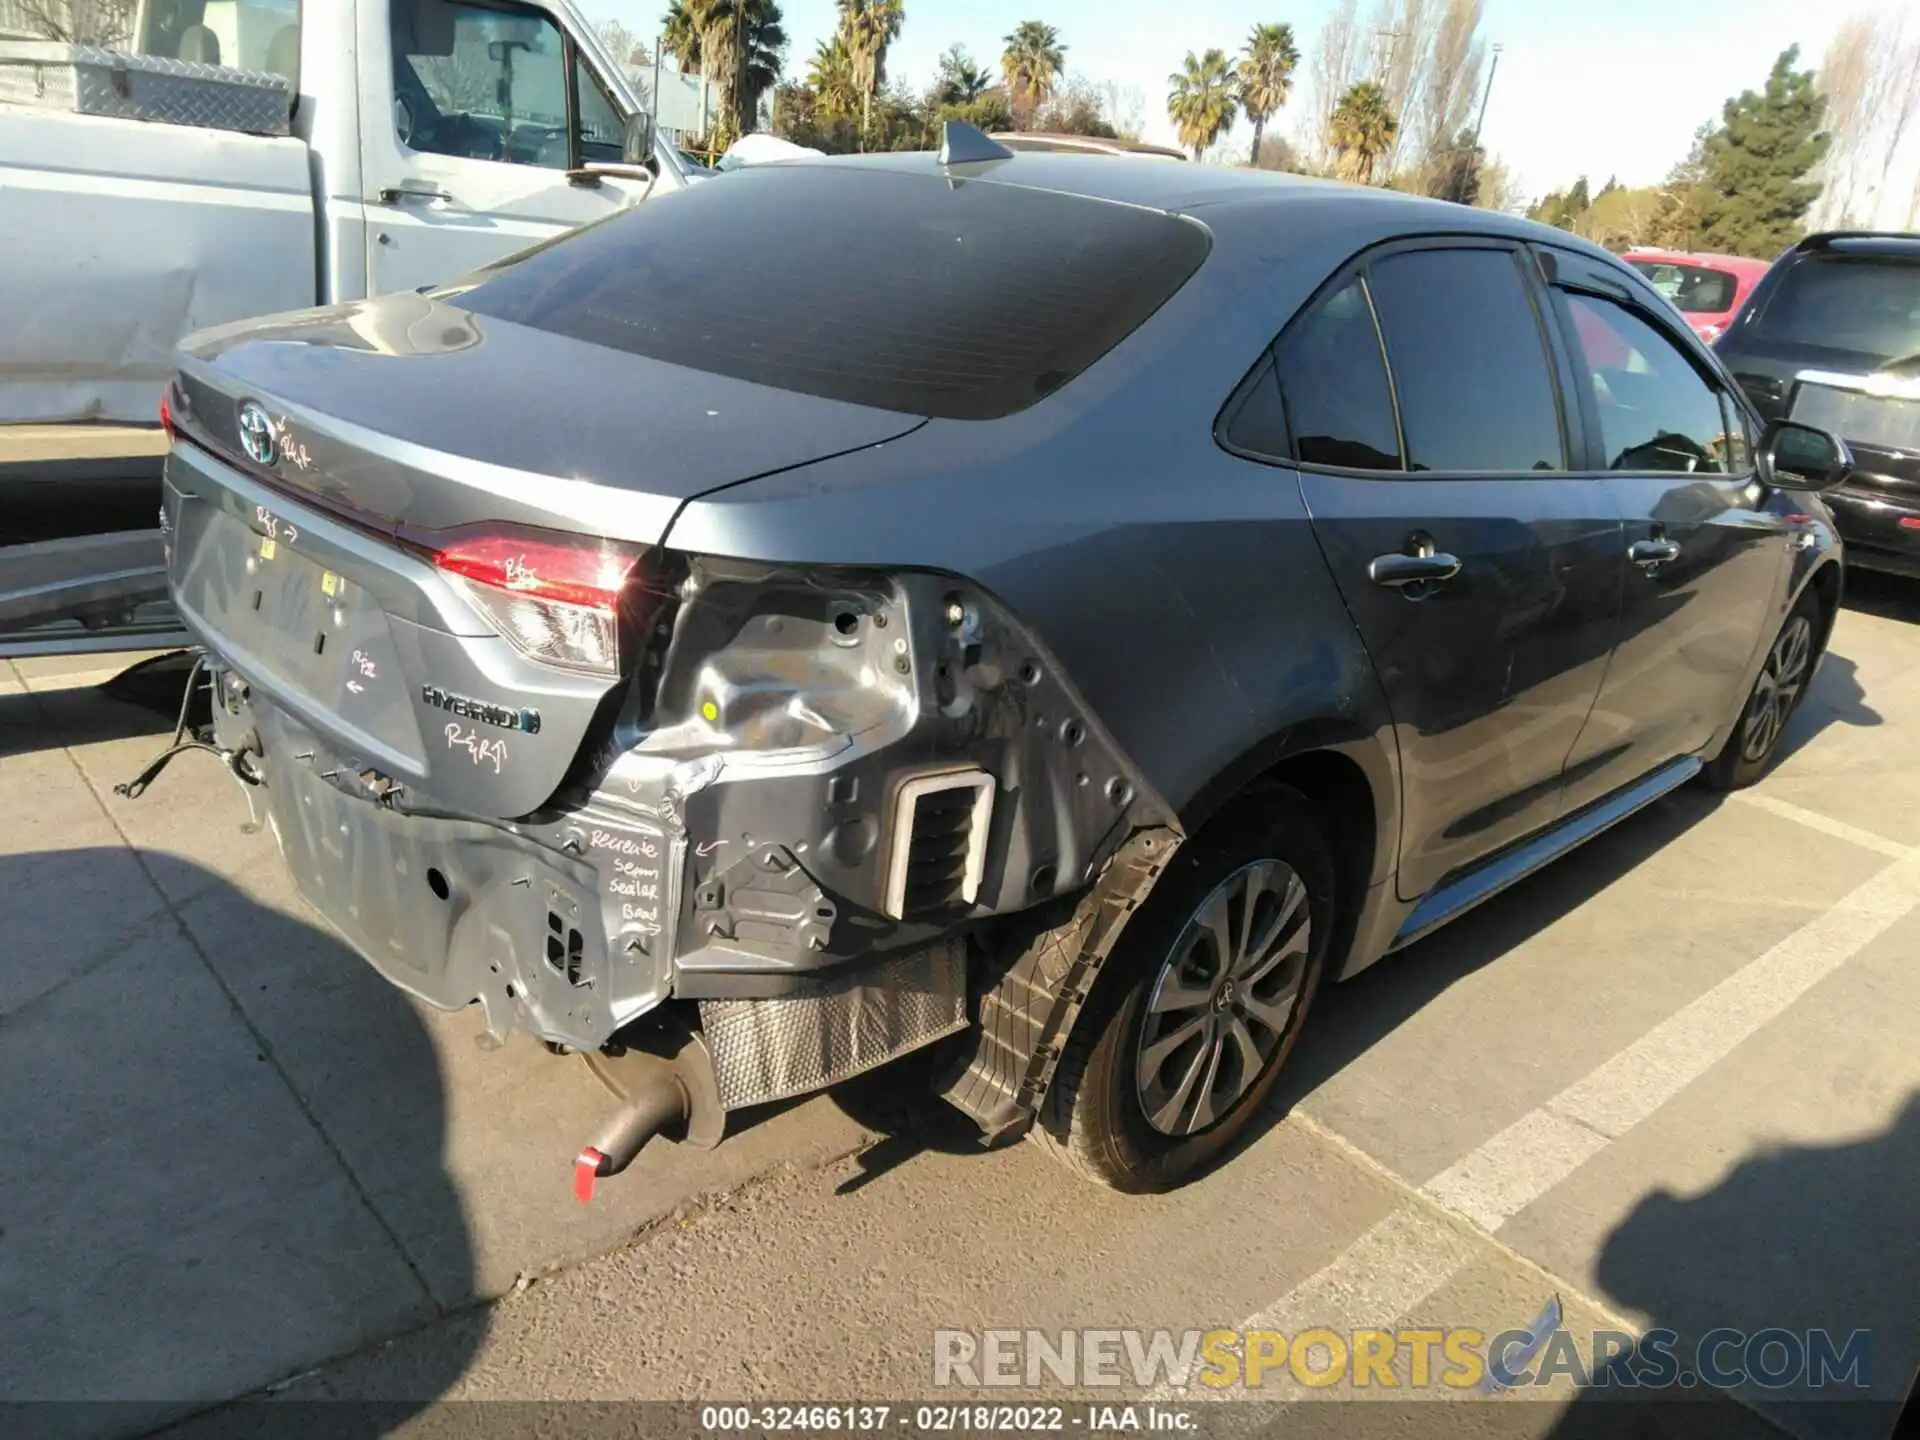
[480, 82]
[603, 131]
[1334, 382]
[1469, 362]
[1657, 412]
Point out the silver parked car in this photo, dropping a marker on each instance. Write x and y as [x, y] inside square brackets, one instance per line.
[1061, 609]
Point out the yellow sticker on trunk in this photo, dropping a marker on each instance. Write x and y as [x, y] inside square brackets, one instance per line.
[329, 582]
[267, 547]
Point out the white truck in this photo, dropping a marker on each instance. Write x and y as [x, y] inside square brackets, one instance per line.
[242, 157]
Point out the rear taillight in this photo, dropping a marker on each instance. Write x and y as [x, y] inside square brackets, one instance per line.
[556, 598]
[166, 412]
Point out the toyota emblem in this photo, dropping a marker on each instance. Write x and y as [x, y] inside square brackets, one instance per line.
[257, 435]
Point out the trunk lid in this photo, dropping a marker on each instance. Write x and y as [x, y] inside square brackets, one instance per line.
[341, 477]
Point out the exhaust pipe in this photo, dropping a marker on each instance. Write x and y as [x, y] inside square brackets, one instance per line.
[666, 1085]
[659, 1106]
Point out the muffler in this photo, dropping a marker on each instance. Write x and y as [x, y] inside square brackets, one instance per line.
[665, 1082]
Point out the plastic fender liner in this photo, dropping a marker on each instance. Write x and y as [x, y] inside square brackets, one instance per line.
[1032, 992]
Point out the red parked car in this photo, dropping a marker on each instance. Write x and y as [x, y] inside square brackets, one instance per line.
[1707, 289]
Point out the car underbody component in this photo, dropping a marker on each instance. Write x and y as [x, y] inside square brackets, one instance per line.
[665, 1083]
[1032, 991]
[767, 1050]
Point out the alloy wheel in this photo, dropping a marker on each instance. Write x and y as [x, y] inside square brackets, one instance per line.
[1777, 690]
[1223, 997]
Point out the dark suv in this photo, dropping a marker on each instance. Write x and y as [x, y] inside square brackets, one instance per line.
[1060, 609]
[1832, 337]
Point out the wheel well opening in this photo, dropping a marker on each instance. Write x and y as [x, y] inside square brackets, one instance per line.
[1337, 789]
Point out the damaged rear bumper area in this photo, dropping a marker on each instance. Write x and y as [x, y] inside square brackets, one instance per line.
[780, 840]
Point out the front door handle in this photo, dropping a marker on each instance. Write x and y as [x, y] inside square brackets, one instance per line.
[1397, 571]
[413, 190]
[1649, 553]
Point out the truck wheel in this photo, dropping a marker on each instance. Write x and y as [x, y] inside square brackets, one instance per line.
[1777, 692]
[1199, 1003]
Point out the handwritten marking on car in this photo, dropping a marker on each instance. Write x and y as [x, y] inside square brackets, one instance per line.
[707, 847]
[276, 529]
[479, 749]
[645, 848]
[364, 663]
[355, 686]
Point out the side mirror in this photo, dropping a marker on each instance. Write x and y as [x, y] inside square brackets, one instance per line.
[1801, 457]
[636, 147]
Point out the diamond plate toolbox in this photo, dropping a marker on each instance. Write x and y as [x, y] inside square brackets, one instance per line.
[88, 81]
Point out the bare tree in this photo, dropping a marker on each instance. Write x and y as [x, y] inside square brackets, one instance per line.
[107, 23]
[1847, 78]
[1337, 61]
[1125, 107]
[1499, 189]
[1870, 76]
[622, 44]
[1453, 66]
[1902, 67]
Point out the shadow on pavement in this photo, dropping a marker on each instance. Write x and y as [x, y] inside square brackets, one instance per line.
[1799, 1239]
[176, 1228]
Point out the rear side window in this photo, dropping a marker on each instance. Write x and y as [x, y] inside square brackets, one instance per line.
[1867, 304]
[1469, 362]
[1692, 289]
[1338, 403]
[907, 292]
[1656, 412]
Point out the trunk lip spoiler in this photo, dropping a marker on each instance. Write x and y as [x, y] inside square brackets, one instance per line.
[620, 514]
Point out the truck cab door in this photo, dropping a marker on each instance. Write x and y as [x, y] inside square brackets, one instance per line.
[476, 123]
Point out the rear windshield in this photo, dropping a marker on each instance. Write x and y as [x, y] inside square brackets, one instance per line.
[959, 300]
[1867, 304]
[1693, 289]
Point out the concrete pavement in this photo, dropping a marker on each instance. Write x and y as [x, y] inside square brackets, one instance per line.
[1673, 1080]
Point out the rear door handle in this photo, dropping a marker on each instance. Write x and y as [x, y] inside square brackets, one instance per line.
[1397, 571]
[1649, 553]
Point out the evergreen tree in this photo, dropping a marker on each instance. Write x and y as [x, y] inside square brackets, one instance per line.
[1677, 221]
[1754, 192]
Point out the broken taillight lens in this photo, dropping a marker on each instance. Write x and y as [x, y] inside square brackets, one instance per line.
[556, 599]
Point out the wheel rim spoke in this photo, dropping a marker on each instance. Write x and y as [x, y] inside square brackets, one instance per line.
[1155, 1055]
[1224, 995]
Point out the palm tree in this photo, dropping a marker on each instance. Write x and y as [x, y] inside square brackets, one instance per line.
[1266, 76]
[1201, 100]
[680, 37]
[1361, 130]
[868, 27]
[830, 77]
[960, 81]
[1033, 60]
[766, 54]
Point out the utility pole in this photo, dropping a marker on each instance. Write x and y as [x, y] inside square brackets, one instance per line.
[1485, 95]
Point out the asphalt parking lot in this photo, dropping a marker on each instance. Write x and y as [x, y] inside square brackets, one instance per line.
[1674, 1080]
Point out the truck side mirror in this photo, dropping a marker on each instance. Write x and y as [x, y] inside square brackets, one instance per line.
[636, 147]
[1794, 456]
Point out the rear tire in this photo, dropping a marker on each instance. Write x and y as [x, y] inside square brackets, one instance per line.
[1754, 745]
[1199, 1004]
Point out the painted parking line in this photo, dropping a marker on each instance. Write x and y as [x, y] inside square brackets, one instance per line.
[1825, 824]
[1399, 1262]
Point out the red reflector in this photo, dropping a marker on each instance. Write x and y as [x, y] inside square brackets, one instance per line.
[166, 411]
[1910, 522]
[589, 574]
[586, 1169]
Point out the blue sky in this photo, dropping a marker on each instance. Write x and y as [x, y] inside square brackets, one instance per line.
[1584, 86]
